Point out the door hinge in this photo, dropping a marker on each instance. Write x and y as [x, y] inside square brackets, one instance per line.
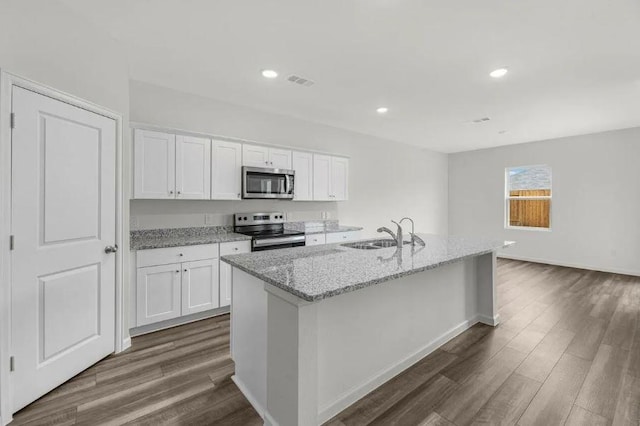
[13, 120]
[12, 241]
[12, 364]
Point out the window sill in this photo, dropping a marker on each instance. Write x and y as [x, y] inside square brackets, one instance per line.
[527, 228]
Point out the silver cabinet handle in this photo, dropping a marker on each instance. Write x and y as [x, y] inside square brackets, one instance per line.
[179, 192]
[235, 248]
[185, 270]
[181, 254]
[170, 192]
[111, 249]
[238, 195]
[177, 272]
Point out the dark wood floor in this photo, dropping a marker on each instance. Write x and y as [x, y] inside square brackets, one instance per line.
[567, 352]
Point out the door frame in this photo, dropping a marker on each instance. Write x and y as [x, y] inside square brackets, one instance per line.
[122, 339]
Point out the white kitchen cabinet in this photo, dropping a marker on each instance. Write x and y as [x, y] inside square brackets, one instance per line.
[193, 168]
[280, 158]
[226, 170]
[235, 247]
[339, 179]
[303, 180]
[200, 282]
[315, 239]
[158, 293]
[342, 237]
[321, 177]
[154, 164]
[330, 178]
[262, 156]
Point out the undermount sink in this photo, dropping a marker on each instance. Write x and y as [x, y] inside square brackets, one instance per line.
[373, 244]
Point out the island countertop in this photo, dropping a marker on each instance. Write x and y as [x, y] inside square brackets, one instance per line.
[314, 273]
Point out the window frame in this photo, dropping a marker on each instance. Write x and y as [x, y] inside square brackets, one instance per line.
[508, 197]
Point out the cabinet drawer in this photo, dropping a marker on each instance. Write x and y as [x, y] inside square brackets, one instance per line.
[163, 256]
[235, 247]
[341, 237]
[315, 239]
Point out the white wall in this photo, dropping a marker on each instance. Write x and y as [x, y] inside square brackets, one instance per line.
[388, 180]
[595, 212]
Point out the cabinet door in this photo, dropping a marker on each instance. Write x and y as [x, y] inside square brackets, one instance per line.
[200, 286]
[154, 164]
[193, 168]
[321, 176]
[226, 170]
[342, 237]
[255, 156]
[157, 293]
[225, 269]
[315, 239]
[280, 158]
[339, 179]
[303, 180]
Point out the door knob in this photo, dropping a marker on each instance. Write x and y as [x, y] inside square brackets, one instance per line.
[111, 249]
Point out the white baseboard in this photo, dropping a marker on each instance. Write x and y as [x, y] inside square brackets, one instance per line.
[252, 400]
[492, 321]
[126, 344]
[268, 420]
[355, 393]
[570, 265]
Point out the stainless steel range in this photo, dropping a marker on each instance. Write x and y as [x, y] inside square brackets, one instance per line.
[267, 231]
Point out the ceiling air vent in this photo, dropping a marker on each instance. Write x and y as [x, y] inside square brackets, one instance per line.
[481, 120]
[301, 80]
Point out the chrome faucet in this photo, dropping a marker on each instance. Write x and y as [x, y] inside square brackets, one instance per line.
[397, 236]
[414, 238]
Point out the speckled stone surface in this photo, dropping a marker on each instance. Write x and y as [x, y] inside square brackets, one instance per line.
[176, 237]
[317, 272]
[320, 227]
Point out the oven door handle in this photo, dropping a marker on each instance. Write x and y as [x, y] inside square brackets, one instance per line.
[277, 241]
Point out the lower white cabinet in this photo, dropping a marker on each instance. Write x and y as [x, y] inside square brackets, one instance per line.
[158, 293]
[342, 237]
[315, 239]
[225, 269]
[200, 286]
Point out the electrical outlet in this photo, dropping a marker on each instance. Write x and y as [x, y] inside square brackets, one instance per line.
[287, 216]
[209, 219]
[327, 215]
[133, 222]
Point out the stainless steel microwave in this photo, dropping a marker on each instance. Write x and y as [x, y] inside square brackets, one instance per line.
[259, 182]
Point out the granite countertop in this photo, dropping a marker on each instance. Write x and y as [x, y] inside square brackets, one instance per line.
[176, 237]
[314, 273]
[328, 230]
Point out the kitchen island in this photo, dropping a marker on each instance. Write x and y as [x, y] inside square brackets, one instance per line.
[314, 329]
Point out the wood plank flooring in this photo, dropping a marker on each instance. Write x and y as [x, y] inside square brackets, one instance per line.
[567, 352]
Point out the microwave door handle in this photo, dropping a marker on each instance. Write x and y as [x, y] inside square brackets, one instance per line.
[289, 184]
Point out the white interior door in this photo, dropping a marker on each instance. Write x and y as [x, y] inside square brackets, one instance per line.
[226, 170]
[193, 168]
[63, 217]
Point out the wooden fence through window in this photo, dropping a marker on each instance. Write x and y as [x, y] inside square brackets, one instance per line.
[530, 213]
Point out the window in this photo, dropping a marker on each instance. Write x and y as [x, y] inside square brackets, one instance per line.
[528, 197]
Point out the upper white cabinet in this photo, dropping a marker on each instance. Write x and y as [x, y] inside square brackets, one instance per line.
[303, 181]
[193, 168]
[330, 178]
[280, 158]
[154, 164]
[226, 169]
[321, 177]
[167, 166]
[262, 156]
[339, 179]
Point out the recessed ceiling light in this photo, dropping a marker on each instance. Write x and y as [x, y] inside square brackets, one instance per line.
[269, 73]
[382, 110]
[500, 72]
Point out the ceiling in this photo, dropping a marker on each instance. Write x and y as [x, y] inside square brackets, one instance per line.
[574, 65]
